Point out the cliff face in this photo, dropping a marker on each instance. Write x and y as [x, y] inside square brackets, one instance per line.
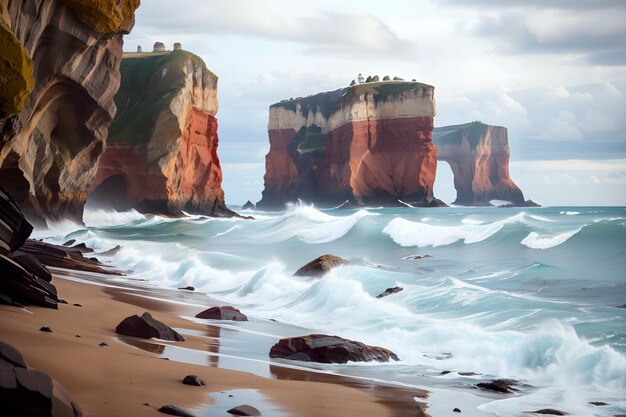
[161, 154]
[369, 144]
[479, 157]
[59, 105]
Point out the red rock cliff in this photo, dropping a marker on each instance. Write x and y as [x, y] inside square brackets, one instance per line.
[55, 124]
[370, 144]
[161, 156]
[479, 157]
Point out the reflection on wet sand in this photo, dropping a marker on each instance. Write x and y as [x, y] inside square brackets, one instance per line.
[400, 400]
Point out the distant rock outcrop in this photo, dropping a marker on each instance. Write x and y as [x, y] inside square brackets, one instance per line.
[369, 144]
[479, 157]
[59, 71]
[161, 154]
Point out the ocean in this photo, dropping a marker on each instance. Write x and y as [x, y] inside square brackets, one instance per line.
[536, 294]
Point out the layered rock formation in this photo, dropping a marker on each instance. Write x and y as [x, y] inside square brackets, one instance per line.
[479, 157]
[56, 110]
[369, 144]
[161, 154]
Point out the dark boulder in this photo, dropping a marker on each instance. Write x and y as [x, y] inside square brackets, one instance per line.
[222, 313]
[505, 386]
[11, 355]
[248, 206]
[70, 242]
[598, 403]
[174, 410]
[29, 393]
[329, 349]
[320, 266]
[389, 291]
[31, 264]
[147, 327]
[14, 228]
[188, 288]
[244, 410]
[193, 380]
[25, 287]
[45, 329]
[549, 411]
[456, 410]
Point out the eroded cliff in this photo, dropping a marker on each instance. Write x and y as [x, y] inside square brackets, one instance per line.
[369, 144]
[56, 109]
[161, 154]
[479, 157]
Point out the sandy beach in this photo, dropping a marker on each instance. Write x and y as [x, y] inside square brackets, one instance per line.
[120, 379]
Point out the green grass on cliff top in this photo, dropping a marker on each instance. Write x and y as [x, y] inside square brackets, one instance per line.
[148, 85]
[327, 102]
[452, 135]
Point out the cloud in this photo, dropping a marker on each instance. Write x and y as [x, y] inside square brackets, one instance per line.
[542, 4]
[589, 32]
[319, 31]
[572, 182]
[590, 114]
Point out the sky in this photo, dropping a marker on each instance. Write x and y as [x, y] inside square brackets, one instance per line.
[552, 71]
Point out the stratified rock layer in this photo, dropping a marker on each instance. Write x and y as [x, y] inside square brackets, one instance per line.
[49, 147]
[369, 144]
[479, 157]
[161, 155]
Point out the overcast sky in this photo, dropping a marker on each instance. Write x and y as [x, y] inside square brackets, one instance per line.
[552, 71]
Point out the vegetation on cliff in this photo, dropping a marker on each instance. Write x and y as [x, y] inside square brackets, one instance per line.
[149, 83]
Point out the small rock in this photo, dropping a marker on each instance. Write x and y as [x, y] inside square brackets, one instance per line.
[389, 291]
[147, 404]
[77, 305]
[103, 345]
[222, 313]
[244, 410]
[193, 380]
[45, 329]
[468, 373]
[230, 395]
[62, 301]
[445, 372]
[77, 335]
[597, 403]
[174, 410]
[456, 410]
[70, 242]
[416, 257]
[188, 288]
[550, 411]
[320, 266]
[498, 385]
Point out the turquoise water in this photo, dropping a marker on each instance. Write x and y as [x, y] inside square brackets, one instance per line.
[527, 294]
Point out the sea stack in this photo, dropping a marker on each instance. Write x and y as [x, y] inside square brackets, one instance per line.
[161, 154]
[479, 157]
[63, 58]
[368, 144]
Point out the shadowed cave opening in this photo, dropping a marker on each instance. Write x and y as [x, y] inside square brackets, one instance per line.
[112, 193]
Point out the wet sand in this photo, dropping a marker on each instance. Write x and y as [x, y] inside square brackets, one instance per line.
[117, 380]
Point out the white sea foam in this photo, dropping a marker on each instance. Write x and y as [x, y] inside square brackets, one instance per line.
[570, 213]
[104, 218]
[536, 241]
[408, 233]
